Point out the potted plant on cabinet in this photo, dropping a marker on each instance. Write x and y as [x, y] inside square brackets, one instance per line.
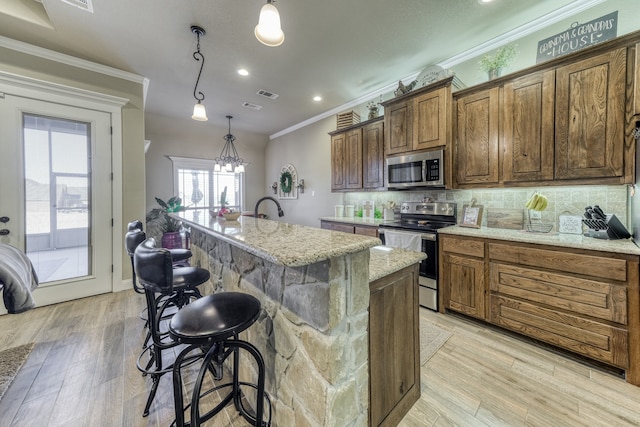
[493, 65]
[158, 219]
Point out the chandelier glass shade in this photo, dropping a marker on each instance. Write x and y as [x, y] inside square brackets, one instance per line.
[229, 159]
[199, 112]
[268, 30]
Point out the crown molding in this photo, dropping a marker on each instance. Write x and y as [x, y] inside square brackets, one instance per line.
[62, 58]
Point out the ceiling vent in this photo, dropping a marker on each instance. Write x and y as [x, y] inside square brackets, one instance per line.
[267, 94]
[82, 4]
[252, 106]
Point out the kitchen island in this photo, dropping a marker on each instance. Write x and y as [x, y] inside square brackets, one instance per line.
[322, 351]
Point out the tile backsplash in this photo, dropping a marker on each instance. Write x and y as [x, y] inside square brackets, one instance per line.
[612, 199]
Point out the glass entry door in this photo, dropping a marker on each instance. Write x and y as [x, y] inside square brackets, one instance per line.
[55, 186]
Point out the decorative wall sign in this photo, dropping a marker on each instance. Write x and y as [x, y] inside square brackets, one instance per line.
[288, 182]
[578, 36]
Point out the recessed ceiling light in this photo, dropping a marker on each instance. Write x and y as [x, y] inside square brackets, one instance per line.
[484, 1]
[243, 72]
[317, 98]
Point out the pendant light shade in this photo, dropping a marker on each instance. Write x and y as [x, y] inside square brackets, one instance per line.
[199, 112]
[268, 30]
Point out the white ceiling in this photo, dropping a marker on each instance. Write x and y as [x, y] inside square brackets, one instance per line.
[342, 50]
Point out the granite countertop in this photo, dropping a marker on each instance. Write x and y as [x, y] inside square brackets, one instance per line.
[385, 260]
[578, 241]
[279, 242]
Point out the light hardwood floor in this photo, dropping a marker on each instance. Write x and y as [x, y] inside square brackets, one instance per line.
[82, 373]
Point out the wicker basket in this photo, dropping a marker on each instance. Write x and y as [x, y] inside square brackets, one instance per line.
[347, 119]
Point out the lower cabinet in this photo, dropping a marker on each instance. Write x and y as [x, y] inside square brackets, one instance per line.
[462, 278]
[394, 346]
[586, 302]
[352, 228]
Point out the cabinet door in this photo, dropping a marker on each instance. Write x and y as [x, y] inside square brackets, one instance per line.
[430, 120]
[528, 128]
[338, 162]
[394, 355]
[635, 76]
[464, 285]
[477, 138]
[398, 127]
[590, 97]
[373, 155]
[353, 147]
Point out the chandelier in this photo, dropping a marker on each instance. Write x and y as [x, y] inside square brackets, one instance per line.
[229, 158]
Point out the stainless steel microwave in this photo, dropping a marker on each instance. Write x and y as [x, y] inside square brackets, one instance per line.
[415, 170]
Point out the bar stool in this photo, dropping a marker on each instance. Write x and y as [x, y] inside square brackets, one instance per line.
[213, 323]
[131, 241]
[156, 274]
[181, 295]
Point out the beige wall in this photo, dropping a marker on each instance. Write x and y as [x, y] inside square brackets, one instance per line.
[185, 137]
[309, 150]
[133, 192]
[470, 73]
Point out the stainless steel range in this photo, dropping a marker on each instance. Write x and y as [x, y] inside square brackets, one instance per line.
[423, 219]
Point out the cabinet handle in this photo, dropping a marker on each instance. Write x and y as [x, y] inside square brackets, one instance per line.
[524, 154]
[4, 232]
[4, 219]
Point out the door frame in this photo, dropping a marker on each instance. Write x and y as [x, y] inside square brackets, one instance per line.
[46, 91]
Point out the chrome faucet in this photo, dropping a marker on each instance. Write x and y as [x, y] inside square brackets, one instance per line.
[280, 211]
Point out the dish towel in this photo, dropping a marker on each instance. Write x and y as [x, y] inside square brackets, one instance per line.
[403, 240]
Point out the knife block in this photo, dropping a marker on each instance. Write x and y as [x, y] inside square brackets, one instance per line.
[611, 228]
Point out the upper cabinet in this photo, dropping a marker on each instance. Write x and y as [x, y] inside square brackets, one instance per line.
[590, 98]
[527, 128]
[559, 123]
[357, 157]
[476, 156]
[373, 155]
[419, 120]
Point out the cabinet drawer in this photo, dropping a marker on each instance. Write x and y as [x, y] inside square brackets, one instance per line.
[463, 246]
[590, 338]
[366, 231]
[589, 297]
[589, 265]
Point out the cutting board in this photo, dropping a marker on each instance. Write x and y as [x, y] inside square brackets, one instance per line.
[505, 218]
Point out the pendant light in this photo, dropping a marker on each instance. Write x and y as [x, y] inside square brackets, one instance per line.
[229, 159]
[268, 30]
[199, 112]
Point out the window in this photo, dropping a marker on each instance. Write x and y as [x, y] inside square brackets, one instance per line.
[200, 187]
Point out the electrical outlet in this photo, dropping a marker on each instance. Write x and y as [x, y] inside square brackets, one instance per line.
[536, 214]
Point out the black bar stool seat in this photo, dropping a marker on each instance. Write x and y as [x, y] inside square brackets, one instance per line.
[212, 323]
[214, 318]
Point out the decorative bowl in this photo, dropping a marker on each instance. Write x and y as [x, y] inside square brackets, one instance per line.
[231, 216]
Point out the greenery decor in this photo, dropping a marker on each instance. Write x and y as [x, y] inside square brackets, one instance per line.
[286, 182]
[501, 59]
[159, 217]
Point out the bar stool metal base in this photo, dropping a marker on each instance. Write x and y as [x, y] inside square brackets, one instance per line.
[212, 362]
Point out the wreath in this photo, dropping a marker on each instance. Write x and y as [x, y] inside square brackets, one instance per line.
[286, 181]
